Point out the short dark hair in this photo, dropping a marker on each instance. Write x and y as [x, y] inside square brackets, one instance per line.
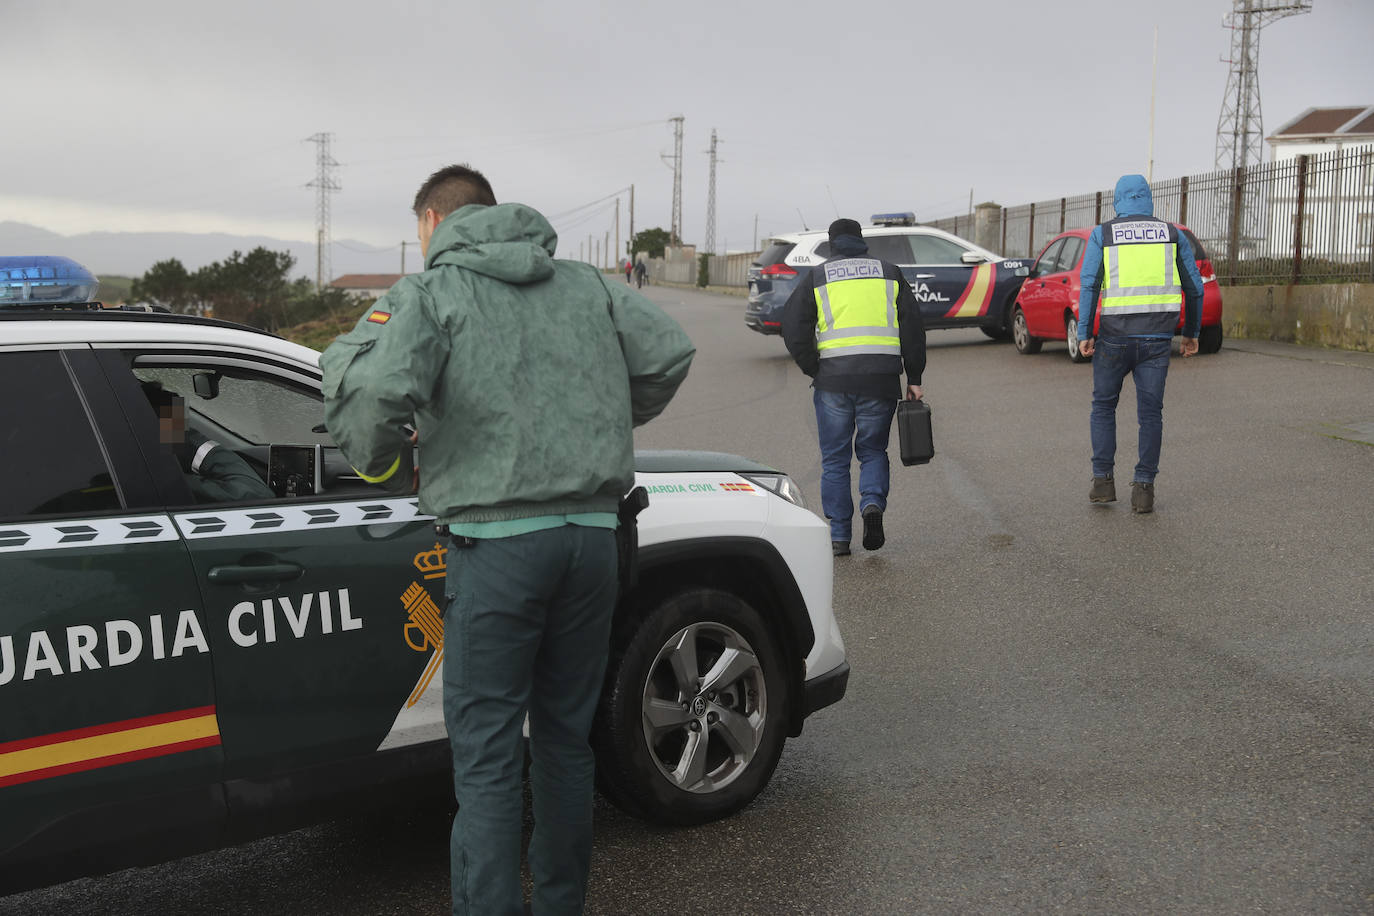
[450, 188]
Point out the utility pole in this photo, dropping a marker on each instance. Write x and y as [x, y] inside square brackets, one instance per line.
[710, 241]
[632, 217]
[1154, 74]
[606, 251]
[403, 256]
[675, 227]
[617, 231]
[324, 185]
[1240, 128]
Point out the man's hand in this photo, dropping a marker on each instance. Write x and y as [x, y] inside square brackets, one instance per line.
[913, 392]
[1086, 347]
[1188, 346]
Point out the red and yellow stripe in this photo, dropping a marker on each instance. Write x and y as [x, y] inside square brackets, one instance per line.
[977, 294]
[97, 746]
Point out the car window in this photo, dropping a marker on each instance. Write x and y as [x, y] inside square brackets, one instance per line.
[1199, 252]
[1046, 263]
[774, 254]
[891, 248]
[1068, 255]
[50, 459]
[255, 409]
[931, 249]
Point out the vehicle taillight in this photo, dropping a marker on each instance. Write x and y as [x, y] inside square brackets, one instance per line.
[777, 271]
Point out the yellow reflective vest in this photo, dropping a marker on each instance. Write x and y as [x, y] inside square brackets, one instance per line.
[1141, 289]
[856, 310]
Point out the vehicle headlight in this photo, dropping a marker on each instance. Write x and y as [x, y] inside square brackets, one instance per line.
[780, 484]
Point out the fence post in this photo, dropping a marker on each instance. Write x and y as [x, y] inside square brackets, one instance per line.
[1063, 205]
[1237, 212]
[1297, 218]
[1097, 211]
[1003, 249]
[1030, 235]
[1183, 200]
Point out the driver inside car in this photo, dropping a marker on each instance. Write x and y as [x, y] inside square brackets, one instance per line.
[214, 473]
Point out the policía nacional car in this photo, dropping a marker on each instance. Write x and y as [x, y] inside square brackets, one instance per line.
[178, 676]
[957, 283]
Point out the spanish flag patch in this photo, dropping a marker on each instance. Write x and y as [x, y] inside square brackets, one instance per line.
[379, 317]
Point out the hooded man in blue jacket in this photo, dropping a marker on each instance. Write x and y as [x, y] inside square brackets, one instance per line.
[1145, 272]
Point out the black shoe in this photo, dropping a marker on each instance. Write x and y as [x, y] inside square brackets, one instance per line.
[1103, 491]
[873, 528]
[839, 548]
[1142, 497]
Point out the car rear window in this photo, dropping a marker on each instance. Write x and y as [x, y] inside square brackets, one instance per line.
[1199, 253]
[774, 254]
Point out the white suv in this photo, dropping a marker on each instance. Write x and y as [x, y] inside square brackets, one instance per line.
[177, 676]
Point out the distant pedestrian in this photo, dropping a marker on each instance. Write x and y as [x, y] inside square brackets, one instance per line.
[629, 268]
[639, 274]
[1145, 270]
[853, 325]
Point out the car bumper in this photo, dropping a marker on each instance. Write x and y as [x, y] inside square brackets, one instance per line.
[761, 317]
[825, 690]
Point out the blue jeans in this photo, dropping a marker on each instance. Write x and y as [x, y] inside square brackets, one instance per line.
[527, 629]
[1146, 360]
[852, 424]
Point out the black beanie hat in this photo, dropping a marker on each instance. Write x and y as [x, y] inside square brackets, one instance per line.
[846, 227]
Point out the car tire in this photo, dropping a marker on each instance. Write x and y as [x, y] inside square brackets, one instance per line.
[659, 701]
[1071, 339]
[996, 333]
[1021, 336]
[1209, 339]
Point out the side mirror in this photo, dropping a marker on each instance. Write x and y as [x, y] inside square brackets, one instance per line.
[972, 257]
[206, 385]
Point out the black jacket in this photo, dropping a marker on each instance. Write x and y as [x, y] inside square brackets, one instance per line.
[869, 376]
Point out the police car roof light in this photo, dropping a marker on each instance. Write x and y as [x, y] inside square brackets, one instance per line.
[37, 281]
[894, 219]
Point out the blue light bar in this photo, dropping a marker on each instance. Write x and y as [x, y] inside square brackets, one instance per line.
[38, 280]
[893, 219]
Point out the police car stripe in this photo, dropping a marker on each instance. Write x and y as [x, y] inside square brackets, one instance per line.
[280, 517]
[94, 532]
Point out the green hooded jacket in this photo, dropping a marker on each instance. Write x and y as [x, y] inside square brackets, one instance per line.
[523, 375]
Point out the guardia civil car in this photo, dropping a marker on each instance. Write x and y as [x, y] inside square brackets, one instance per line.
[178, 676]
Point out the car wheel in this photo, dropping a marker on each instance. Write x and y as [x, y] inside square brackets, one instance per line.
[693, 718]
[1071, 338]
[1209, 339]
[1020, 334]
[996, 333]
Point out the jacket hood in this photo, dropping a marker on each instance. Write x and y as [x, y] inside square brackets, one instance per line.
[509, 242]
[849, 246]
[1133, 197]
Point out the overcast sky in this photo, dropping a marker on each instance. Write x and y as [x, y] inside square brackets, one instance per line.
[185, 116]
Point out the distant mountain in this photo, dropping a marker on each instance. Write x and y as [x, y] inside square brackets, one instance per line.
[130, 254]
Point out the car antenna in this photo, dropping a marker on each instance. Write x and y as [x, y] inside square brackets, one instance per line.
[805, 228]
[832, 201]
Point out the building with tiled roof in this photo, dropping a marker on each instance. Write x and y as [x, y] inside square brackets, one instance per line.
[366, 286]
[1324, 130]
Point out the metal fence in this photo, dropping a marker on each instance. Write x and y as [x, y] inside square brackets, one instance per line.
[1309, 219]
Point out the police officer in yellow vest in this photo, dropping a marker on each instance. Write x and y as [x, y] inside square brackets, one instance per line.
[853, 325]
[1146, 272]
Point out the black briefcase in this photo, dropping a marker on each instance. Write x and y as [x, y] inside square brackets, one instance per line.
[913, 432]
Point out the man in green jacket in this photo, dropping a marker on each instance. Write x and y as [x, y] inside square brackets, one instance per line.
[524, 376]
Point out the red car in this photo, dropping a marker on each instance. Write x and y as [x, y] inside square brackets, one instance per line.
[1047, 306]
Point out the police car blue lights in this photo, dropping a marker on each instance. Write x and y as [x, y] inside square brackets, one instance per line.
[45, 280]
[894, 219]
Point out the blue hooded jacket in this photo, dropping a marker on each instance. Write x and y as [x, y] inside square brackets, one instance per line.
[1133, 198]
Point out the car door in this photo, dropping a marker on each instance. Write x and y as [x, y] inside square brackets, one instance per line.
[951, 292]
[109, 728]
[323, 607]
[1044, 315]
[1067, 267]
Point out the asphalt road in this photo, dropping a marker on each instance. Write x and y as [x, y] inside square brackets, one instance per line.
[1054, 706]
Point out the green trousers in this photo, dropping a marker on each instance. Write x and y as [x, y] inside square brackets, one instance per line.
[527, 629]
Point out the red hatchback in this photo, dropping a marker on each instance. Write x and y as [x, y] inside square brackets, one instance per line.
[1047, 306]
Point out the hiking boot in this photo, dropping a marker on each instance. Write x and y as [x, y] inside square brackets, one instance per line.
[1142, 497]
[873, 528]
[1103, 491]
[839, 548]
